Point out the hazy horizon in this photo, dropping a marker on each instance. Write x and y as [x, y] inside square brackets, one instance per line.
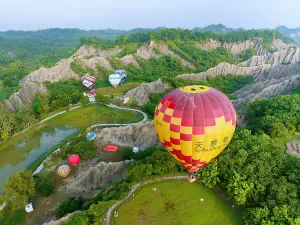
[126, 15]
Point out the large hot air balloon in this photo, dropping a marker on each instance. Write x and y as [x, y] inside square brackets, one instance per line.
[114, 79]
[63, 170]
[122, 74]
[194, 123]
[88, 80]
[90, 136]
[74, 159]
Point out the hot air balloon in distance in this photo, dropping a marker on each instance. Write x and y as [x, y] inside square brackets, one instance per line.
[114, 79]
[122, 74]
[74, 159]
[194, 123]
[90, 136]
[63, 170]
[88, 80]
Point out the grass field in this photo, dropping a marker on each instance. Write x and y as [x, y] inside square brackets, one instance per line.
[119, 89]
[280, 142]
[95, 113]
[176, 203]
[17, 219]
[81, 117]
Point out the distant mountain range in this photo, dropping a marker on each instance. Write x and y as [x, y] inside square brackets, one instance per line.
[290, 32]
[23, 44]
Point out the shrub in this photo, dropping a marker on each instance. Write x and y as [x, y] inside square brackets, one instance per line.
[78, 219]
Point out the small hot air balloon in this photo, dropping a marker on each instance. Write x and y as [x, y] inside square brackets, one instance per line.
[122, 74]
[63, 170]
[90, 136]
[88, 80]
[194, 123]
[74, 159]
[92, 92]
[114, 79]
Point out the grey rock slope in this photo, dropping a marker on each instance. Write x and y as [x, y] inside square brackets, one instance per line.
[143, 91]
[33, 83]
[97, 176]
[264, 66]
[141, 135]
[274, 74]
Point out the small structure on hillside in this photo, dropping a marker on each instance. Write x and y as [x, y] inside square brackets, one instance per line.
[293, 148]
[111, 148]
[135, 149]
[29, 208]
[126, 100]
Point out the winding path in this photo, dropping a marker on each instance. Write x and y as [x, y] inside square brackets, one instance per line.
[41, 166]
[133, 189]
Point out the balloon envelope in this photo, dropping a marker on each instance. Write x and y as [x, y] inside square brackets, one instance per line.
[90, 136]
[194, 123]
[74, 159]
[122, 74]
[64, 170]
[88, 80]
[114, 79]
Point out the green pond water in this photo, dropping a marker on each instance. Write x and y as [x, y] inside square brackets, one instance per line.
[20, 155]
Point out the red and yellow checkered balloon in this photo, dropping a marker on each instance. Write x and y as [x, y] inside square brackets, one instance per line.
[194, 123]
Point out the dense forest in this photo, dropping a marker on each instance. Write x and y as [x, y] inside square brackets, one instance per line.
[259, 178]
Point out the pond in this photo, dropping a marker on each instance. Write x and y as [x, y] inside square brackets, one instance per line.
[20, 155]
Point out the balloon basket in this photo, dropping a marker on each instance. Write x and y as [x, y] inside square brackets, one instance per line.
[191, 180]
[192, 177]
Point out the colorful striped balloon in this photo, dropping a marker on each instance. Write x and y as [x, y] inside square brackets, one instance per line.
[195, 123]
[63, 170]
[90, 136]
[88, 80]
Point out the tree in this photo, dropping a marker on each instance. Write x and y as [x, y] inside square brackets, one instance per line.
[209, 174]
[122, 40]
[70, 205]
[149, 108]
[85, 149]
[273, 126]
[239, 188]
[257, 216]
[139, 171]
[97, 211]
[40, 105]
[101, 98]
[84, 100]
[18, 188]
[75, 96]
[78, 219]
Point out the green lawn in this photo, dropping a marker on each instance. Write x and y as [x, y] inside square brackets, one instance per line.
[280, 142]
[18, 218]
[176, 203]
[82, 117]
[95, 113]
[119, 89]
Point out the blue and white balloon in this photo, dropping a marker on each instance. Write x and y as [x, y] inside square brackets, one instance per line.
[122, 74]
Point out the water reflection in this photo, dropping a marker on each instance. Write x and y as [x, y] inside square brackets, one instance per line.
[19, 156]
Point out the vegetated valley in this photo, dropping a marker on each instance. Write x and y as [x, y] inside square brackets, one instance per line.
[258, 70]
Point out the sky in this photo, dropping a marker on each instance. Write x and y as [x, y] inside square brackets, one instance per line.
[128, 14]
